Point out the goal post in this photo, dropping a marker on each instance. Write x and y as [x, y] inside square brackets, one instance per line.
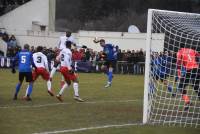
[163, 101]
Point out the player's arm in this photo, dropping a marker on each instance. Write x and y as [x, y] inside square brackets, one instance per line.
[197, 57]
[59, 42]
[32, 61]
[46, 63]
[69, 64]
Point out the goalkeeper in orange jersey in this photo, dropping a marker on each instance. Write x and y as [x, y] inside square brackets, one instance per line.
[187, 58]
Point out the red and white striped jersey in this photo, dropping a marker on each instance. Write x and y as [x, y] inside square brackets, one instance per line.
[40, 60]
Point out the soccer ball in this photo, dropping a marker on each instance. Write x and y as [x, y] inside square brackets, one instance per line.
[96, 40]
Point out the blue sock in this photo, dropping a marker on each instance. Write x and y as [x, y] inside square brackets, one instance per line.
[176, 78]
[110, 76]
[152, 88]
[169, 87]
[17, 88]
[30, 88]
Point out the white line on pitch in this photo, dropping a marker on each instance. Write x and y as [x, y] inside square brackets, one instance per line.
[88, 128]
[67, 103]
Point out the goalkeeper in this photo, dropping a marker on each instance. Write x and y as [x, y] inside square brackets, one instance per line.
[187, 58]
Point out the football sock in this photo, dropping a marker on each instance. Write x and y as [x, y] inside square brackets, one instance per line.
[29, 89]
[186, 98]
[152, 87]
[63, 88]
[75, 86]
[52, 72]
[110, 76]
[17, 89]
[49, 85]
[169, 88]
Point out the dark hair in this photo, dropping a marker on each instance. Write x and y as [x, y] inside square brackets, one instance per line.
[26, 46]
[101, 40]
[39, 49]
[68, 33]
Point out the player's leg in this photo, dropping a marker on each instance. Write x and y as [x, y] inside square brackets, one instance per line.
[53, 71]
[169, 86]
[64, 72]
[196, 81]
[29, 78]
[65, 86]
[74, 78]
[109, 73]
[184, 81]
[18, 86]
[46, 76]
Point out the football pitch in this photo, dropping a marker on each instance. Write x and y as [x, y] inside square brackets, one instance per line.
[115, 110]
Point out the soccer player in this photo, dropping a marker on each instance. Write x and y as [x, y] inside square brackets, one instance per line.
[41, 63]
[161, 69]
[187, 58]
[25, 62]
[110, 58]
[65, 58]
[61, 45]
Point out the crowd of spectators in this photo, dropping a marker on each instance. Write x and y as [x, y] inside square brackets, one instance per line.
[11, 42]
[128, 62]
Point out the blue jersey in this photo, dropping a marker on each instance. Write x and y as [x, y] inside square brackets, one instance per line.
[25, 61]
[108, 49]
[161, 65]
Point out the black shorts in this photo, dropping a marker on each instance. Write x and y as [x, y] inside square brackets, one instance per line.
[110, 63]
[27, 75]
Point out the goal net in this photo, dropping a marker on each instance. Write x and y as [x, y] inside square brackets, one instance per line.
[171, 94]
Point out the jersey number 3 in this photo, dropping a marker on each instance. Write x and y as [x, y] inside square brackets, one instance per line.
[39, 59]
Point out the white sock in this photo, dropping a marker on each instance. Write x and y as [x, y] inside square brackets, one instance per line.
[75, 86]
[49, 85]
[27, 91]
[52, 72]
[63, 88]
[62, 78]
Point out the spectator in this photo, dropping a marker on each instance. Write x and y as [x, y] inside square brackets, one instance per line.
[12, 42]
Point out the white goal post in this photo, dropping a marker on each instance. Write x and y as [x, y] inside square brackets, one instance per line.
[168, 98]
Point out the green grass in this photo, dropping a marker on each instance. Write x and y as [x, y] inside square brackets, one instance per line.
[118, 105]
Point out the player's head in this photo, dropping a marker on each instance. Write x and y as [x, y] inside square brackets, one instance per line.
[68, 44]
[26, 46]
[39, 49]
[102, 42]
[68, 33]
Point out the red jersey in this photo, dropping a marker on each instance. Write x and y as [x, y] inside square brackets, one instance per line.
[186, 57]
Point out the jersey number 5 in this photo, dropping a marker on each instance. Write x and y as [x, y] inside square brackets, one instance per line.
[23, 59]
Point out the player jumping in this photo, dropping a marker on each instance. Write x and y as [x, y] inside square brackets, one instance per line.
[110, 60]
[61, 45]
